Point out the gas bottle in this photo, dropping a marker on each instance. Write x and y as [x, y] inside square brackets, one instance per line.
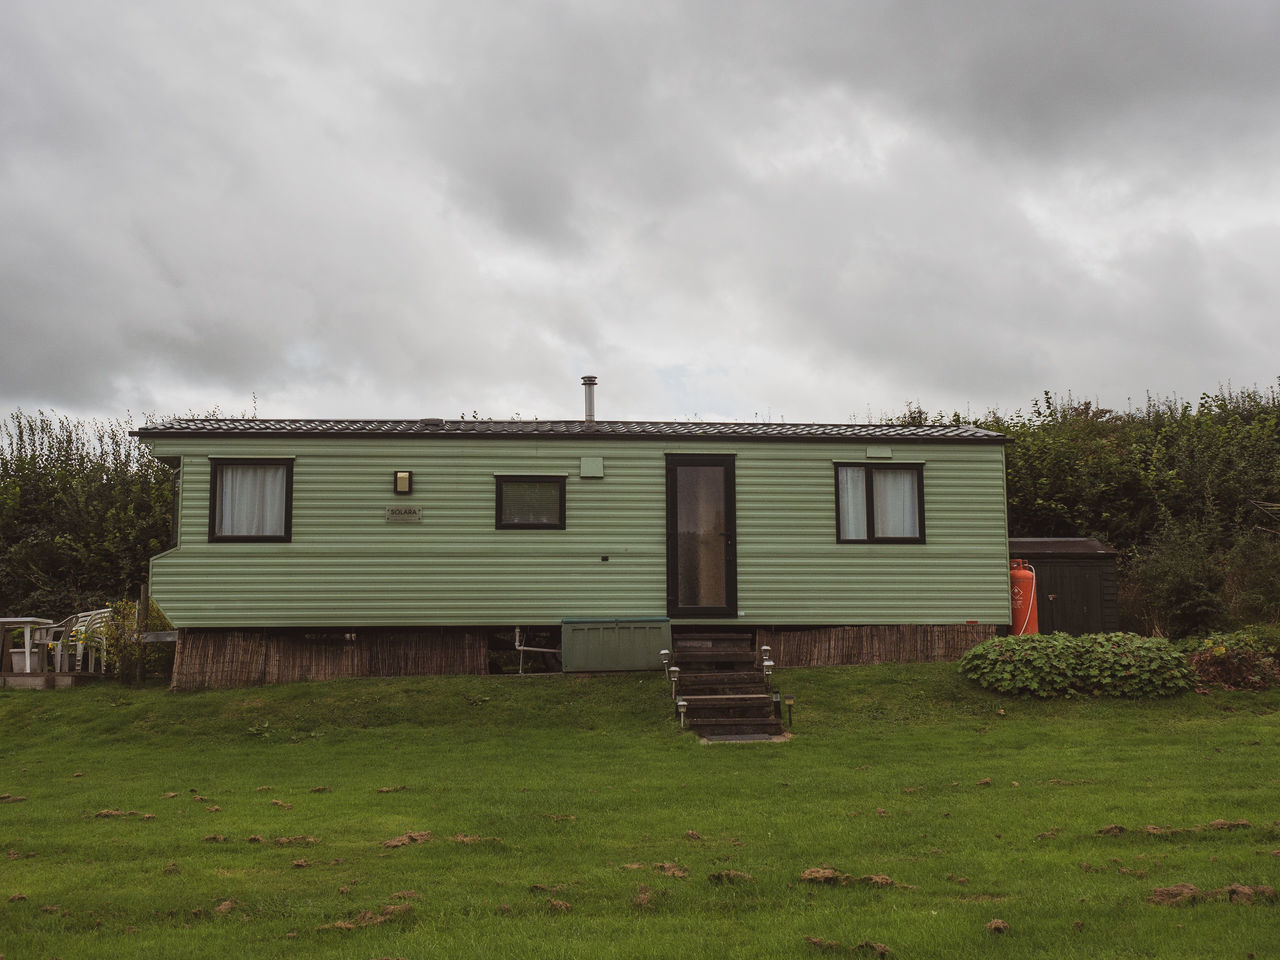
[1022, 582]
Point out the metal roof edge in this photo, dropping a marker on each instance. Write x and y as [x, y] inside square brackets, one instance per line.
[565, 429]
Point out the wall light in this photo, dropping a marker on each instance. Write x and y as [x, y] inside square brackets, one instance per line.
[402, 481]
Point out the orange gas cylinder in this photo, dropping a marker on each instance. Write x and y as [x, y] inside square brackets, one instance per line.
[1022, 581]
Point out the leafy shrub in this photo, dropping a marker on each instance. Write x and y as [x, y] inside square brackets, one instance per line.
[1180, 575]
[83, 506]
[1057, 664]
[122, 649]
[1243, 659]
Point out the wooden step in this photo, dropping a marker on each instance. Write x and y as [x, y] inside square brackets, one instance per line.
[713, 655]
[727, 699]
[722, 676]
[731, 725]
[677, 636]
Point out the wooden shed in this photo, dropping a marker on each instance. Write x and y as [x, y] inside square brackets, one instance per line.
[1075, 582]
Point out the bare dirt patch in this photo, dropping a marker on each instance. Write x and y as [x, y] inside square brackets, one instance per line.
[831, 876]
[1169, 831]
[1182, 894]
[997, 926]
[671, 870]
[469, 839]
[395, 789]
[825, 875]
[369, 918]
[413, 836]
[731, 876]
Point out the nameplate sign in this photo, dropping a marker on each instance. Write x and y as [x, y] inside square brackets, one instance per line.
[404, 514]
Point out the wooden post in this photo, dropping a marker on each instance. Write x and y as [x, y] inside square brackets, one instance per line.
[144, 611]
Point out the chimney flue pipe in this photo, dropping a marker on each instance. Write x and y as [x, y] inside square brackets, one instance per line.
[589, 391]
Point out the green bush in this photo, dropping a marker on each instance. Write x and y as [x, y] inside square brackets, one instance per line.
[83, 507]
[122, 649]
[1244, 659]
[1057, 664]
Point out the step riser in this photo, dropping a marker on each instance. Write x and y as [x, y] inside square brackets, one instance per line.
[773, 730]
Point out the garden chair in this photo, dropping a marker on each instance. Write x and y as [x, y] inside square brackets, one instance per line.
[76, 635]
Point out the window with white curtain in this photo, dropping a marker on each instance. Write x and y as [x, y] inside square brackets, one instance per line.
[879, 503]
[251, 500]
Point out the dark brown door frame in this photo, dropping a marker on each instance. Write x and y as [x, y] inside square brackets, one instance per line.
[730, 536]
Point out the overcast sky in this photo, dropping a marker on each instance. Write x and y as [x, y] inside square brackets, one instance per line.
[810, 211]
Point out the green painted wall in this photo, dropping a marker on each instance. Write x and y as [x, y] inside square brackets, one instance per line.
[348, 566]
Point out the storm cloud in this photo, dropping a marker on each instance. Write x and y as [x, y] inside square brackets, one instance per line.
[725, 210]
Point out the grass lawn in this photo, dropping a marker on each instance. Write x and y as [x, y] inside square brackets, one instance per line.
[569, 817]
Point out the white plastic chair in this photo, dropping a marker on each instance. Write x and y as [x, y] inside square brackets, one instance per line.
[85, 631]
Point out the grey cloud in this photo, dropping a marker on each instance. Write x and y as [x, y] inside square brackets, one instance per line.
[720, 208]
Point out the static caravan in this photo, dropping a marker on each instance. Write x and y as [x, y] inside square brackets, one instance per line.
[320, 548]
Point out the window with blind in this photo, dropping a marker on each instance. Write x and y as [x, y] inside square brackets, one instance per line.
[251, 500]
[530, 503]
[879, 503]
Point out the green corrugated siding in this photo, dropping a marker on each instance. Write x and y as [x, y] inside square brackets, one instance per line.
[347, 566]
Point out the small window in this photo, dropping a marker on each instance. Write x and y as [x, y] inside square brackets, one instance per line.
[879, 503]
[251, 500]
[530, 503]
